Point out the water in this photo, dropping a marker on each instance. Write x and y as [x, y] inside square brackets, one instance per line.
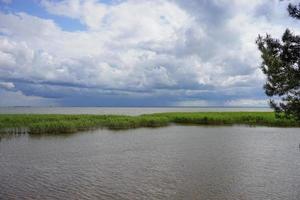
[120, 110]
[176, 162]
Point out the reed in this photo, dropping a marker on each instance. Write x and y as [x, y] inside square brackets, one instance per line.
[55, 124]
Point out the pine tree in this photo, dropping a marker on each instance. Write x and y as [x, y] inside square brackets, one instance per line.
[281, 65]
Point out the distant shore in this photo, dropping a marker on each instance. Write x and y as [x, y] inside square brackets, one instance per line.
[56, 124]
[131, 111]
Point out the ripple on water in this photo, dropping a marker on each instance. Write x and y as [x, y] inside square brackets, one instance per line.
[174, 162]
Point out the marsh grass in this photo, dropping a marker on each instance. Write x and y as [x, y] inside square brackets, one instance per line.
[56, 124]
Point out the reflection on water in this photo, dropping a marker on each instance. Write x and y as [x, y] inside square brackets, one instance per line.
[13, 131]
[176, 162]
[6, 134]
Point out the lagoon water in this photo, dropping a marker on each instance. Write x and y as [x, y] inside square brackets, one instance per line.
[176, 162]
[121, 110]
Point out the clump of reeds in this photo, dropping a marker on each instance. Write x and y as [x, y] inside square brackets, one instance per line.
[55, 124]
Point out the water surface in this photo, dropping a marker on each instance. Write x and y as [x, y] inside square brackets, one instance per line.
[120, 110]
[176, 162]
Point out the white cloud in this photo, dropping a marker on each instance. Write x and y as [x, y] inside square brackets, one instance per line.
[114, 57]
[89, 12]
[7, 85]
[140, 46]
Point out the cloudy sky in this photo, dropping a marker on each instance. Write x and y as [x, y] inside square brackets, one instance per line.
[135, 52]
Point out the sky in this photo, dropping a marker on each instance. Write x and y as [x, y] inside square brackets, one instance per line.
[136, 52]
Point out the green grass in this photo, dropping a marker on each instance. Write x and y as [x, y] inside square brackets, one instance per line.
[55, 124]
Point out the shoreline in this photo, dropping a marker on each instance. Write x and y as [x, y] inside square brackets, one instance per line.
[70, 123]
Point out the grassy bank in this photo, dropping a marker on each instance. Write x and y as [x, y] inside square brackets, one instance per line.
[43, 123]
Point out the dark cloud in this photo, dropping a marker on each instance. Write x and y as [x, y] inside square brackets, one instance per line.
[137, 53]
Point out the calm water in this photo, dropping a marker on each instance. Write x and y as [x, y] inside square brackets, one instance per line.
[118, 110]
[176, 162]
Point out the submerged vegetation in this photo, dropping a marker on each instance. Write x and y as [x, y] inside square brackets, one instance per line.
[54, 124]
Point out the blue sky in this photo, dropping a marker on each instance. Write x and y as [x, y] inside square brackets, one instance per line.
[33, 8]
[135, 52]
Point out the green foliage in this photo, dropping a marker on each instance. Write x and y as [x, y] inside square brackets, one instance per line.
[281, 65]
[56, 124]
[294, 11]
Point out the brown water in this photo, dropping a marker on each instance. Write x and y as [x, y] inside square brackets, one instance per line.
[177, 162]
